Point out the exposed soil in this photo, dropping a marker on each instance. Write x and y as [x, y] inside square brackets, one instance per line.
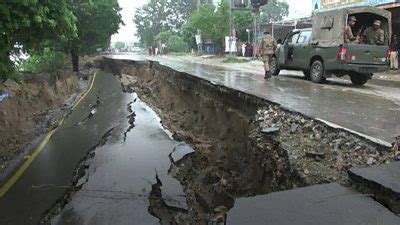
[245, 145]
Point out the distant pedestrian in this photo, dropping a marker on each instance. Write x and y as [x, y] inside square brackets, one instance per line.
[394, 53]
[268, 47]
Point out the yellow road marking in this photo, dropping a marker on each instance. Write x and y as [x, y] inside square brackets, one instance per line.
[86, 93]
[6, 187]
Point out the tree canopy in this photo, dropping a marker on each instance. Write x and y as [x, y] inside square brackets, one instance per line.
[76, 26]
[274, 11]
[97, 20]
[164, 36]
[212, 21]
[28, 24]
[242, 19]
[161, 15]
[159, 19]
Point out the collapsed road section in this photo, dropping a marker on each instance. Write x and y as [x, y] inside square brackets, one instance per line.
[245, 146]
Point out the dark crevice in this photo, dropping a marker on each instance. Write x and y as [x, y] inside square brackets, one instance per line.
[131, 119]
[161, 210]
[79, 178]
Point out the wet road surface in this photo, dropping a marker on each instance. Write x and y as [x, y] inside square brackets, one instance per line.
[121, 176]
[365, 110]
[130, 148]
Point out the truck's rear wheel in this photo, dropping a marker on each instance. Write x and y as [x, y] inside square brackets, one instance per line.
[317, 72]
[274, 66]
[359, 79]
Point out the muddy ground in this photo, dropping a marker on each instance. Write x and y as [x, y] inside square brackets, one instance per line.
[245, 146]
[34, 108]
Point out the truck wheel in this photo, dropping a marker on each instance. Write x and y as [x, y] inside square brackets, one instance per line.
[317, 72]
[307, 74]
[359, 79]
[274, 66]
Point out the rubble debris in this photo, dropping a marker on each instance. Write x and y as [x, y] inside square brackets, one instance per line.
[294, 127]
[270, 130]
[315, 155]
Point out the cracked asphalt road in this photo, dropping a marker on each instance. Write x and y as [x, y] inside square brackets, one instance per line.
[117, 175]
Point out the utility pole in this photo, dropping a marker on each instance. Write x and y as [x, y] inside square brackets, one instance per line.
[256, 12]
[230, 26]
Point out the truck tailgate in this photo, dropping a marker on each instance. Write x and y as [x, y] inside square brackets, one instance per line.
[367, 54]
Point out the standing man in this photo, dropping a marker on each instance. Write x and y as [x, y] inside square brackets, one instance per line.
[348, 33]
[268, 47]
[394, 52]
[374, 35]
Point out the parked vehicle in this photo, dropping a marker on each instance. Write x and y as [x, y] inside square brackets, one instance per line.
[321, 50]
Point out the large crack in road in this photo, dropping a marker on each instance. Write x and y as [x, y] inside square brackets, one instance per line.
[166, 147]
[237, 155]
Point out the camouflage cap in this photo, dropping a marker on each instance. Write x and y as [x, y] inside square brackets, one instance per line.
[353, 18]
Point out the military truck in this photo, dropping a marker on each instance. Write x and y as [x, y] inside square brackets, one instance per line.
[321, 51]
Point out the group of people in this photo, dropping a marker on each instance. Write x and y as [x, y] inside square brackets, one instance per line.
[373, 35]
[158, 49]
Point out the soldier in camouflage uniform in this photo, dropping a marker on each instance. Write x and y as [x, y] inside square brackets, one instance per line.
[268, 47]
[374, 35]
[348, 33]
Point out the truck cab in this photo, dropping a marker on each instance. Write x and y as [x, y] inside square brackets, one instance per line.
[321, 51]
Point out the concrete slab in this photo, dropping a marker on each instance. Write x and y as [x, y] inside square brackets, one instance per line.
[382, 181]
[323, 204]
[180, 151]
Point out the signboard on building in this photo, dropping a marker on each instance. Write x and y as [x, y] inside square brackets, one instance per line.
[324, 5]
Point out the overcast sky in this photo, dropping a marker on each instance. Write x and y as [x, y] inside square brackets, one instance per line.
[297, 9]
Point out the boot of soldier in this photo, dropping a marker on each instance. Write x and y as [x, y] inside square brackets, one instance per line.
[267, 75]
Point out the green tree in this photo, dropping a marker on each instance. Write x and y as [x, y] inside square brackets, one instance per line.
[97, 21]
[242, 19]
[119, 45]
[274, 11]
[212, 21]
[161, 15]
[27, 24]
[176, 44]
[164, 36]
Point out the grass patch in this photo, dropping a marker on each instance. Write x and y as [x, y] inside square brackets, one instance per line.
[178, 53]
[233, 59]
